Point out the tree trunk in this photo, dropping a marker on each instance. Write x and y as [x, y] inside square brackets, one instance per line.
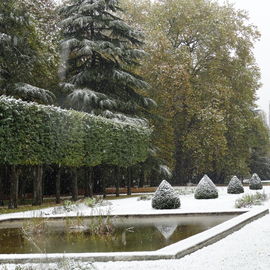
[2, 171]
[88, 182]
[129, 177]
[14, 187]
[117, 176]
[22, 190]
[37, 185]
[57, 184]
[142, 177]
[103, 178]
[74, 185]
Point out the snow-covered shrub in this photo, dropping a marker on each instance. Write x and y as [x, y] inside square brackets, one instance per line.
[235, 186]
[165, 197]
[206, 189]
[255, 182]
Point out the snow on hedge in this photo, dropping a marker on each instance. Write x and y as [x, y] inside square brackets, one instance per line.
[165, 197]
[206, 189]
[235, 186]
[255, 182]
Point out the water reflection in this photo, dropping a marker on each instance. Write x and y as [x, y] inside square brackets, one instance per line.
[127, 236]
[166, 230]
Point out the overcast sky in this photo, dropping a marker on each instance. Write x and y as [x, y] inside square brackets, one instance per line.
[259, 13]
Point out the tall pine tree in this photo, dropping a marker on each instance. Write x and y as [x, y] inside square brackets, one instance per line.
[100, 53]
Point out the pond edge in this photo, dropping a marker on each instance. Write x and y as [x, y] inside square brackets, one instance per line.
[173, 251]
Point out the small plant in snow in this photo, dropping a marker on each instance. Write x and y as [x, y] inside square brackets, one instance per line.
[90, 202]
[248, 200]
[185, 190]
[144, 198]
[67, 205]
[165, 197]
[235, 186]
[255, 182]
[96, 201]
[206, 189]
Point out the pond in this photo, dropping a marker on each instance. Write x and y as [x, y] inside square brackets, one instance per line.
[102, 235]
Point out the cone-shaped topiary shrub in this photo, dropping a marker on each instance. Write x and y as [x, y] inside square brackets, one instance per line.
[235, 186]
[255, 182]
[206, 189]
[165, 197]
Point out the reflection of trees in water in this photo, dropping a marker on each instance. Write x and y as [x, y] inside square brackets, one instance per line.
[150, 237]
[10, 240]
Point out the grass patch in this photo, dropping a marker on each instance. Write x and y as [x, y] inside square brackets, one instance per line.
[248, 200]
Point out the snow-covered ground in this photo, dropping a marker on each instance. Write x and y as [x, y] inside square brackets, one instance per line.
[248, 248]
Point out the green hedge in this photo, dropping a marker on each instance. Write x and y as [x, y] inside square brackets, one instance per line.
[32, 134]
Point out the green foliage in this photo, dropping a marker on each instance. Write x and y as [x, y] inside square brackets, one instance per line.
[165, 197]
[206, 189]
[260, 152]
[28, 92]
[24, 58]
[235, 186]
[255, 182]
[204, 78]
[100, 53]
[33, 134]
[248, 200]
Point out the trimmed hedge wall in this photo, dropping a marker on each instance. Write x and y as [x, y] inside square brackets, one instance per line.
[32, 134]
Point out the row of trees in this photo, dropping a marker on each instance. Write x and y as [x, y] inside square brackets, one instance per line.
[98, 53]
[204, 78]
[195, 64]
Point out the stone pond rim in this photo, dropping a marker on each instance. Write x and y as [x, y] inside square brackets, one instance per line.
[176, 250]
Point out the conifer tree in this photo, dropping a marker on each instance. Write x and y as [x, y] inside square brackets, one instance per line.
[22, 61]
[100, 53]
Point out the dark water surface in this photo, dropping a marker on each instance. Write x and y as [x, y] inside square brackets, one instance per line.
[129, 235]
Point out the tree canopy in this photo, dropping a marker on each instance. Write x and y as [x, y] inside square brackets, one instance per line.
[26, 64]
[204, 78]
[100, 52]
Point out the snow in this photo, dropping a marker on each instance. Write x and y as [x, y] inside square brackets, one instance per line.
[246, 249]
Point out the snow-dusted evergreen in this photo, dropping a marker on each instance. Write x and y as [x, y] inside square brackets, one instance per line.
[235, 186]
[98, 52]
[206, 189]
[22, 58]
[165, 197]
[255, 182]
[29, 92]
